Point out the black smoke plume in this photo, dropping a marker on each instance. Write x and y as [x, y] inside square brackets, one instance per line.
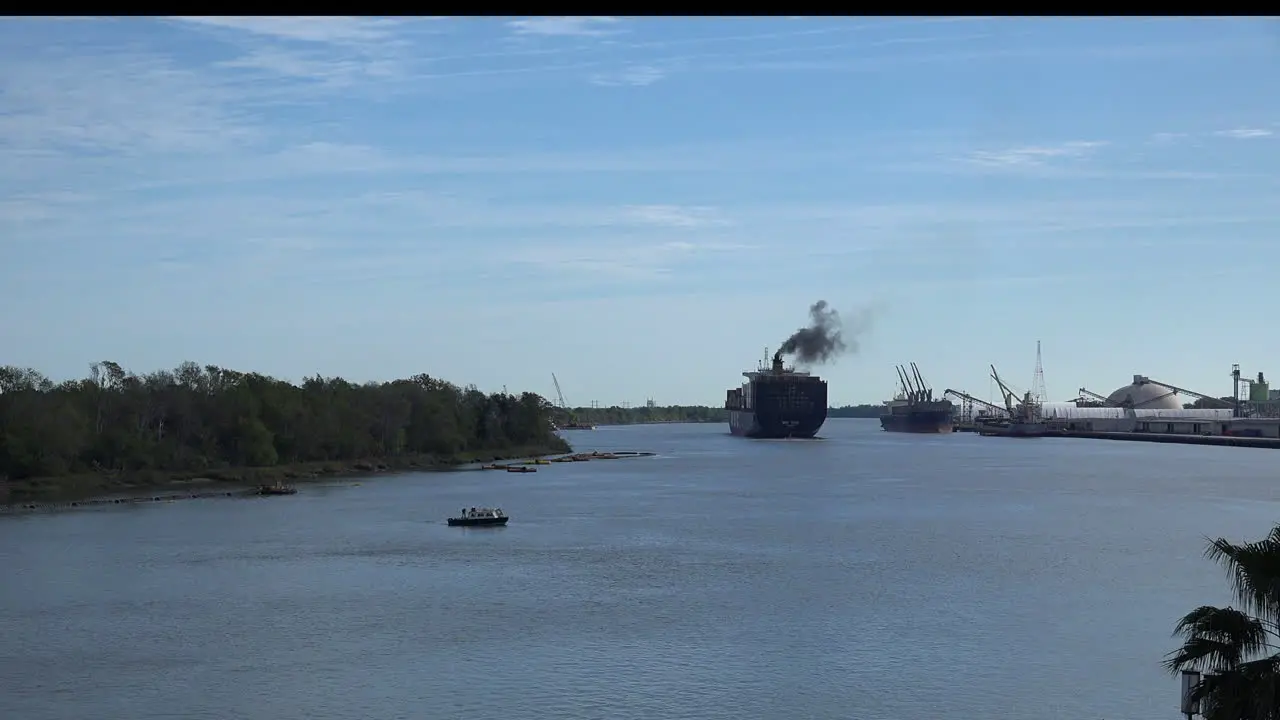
[821, 341]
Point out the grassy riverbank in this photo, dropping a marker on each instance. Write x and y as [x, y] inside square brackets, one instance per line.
[71, 488]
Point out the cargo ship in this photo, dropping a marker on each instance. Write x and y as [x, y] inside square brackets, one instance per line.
[777, 402]
[914, 409]
[1025, 418]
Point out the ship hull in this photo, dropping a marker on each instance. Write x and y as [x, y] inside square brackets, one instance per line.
[477, 522]
[930, 422]
[776, 425]
[1015, 429]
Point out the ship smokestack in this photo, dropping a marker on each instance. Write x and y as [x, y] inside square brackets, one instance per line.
[818, 343]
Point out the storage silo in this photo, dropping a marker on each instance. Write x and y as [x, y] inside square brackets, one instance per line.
[1259, 390]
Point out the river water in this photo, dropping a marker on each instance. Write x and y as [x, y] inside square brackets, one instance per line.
[867, 575]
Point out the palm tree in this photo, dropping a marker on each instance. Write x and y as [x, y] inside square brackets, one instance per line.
[1235, 647]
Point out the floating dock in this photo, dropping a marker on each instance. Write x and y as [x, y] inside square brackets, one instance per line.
[168, 497]
[597, 455]
[1175, 438]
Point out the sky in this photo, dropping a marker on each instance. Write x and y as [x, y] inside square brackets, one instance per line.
[642, 206]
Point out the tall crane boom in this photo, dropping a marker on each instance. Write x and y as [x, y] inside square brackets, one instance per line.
[1128, 401]
[969, 398]
[1008, 395]
[914, 387]
[1026, 411]
[559, 394]
[1138, 380]
[926, 392]
[1086, 394]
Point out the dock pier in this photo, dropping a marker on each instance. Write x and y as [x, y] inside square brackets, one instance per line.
[1175, 438]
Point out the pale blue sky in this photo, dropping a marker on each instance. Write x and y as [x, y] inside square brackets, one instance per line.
[641, 206]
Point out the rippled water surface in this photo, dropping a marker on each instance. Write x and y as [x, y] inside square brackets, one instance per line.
[866, 575]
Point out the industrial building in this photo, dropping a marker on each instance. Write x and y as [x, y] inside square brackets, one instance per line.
[1068, 416]
[1143, 406]
[1147, 406]
[1263, 402]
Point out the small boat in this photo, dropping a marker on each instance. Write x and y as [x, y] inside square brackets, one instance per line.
[521, 469]
[479, 517]
[494, 466]
[278, 488]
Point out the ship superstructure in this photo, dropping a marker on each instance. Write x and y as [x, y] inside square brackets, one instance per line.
[777, 402]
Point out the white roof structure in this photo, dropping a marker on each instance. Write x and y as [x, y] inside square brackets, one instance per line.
[1069, 411]
[1146, 395]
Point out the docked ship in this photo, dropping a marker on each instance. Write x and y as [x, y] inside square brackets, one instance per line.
[777, 402]
[1025, 419]
[914, 409]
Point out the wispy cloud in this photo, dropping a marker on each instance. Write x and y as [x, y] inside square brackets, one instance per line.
[636, 260]
[633, 76]
[675, 216]
[1032, 155]
[337, 52]
[855, 62]
[24, 208]
[1244, 133]
[1237, 133]
[117, 102]
[338, 30]
[581, 26]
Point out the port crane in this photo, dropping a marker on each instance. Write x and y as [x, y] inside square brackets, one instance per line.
[971, 400]
[1025, 411]
[571, 419]
[559, 394]
[990, 410]
[1175, 390]
[917, 391]
[1127, 403]
[1092, 399]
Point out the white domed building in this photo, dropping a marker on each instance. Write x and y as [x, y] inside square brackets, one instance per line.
[1142, 394]
[1142, 405]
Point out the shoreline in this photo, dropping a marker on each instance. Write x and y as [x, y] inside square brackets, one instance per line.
[1176, 438]
[39, 493]
[652, 422]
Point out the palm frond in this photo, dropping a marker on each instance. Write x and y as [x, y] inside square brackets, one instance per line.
[1254, 568]
[1250, 690]
[1216, 639]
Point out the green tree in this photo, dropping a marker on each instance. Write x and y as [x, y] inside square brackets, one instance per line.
[856, 411]
[195, 418]
[616, 415]
[1233, 646]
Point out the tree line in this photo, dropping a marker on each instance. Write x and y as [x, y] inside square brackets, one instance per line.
[856, 411]
[616, 415]
[196, 417]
